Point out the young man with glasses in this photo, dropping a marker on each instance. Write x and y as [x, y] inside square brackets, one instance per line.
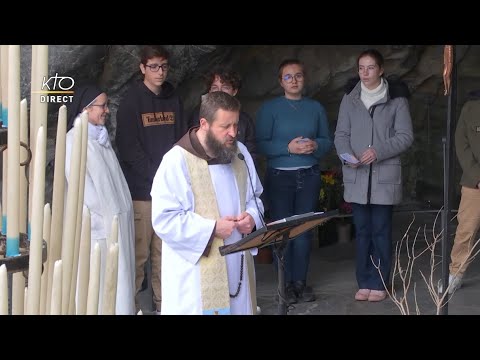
[222, 78]
[292, 133]
[149, 121]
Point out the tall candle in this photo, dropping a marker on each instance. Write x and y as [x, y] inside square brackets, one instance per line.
[78, 226]
[47, 216]
[39, 109]
[1, 81]
[25, 298]
[4, 76]
[94, 282]
[68, 241]
[4, 116]
[38, 203]
[23, 200]
[18, 294]
[13, 195]
[56, 306]
[84, 263]
[113, 238]
[110, 286]
[34, 101]
[3, 290]
[55, 248]
[4, 191]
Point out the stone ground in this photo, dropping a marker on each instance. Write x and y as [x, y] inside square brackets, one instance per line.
[332, 276]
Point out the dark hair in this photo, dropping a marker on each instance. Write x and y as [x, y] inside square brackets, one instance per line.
[212, 102]
[226, 75]
[289, 62]
[373, 53]
[151, 51]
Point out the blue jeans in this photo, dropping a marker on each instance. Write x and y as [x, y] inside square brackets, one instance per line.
[292, 193]
[373, 237]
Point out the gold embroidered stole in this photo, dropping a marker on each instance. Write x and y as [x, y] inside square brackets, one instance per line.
[213, 269]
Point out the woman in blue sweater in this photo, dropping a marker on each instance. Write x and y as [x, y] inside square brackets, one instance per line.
[292, 133]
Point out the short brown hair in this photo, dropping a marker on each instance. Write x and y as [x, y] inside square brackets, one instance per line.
[212, 102]
[289, 62]
[151, 51]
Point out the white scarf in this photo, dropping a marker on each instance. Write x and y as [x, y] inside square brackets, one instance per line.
[370, 97]
[99, 133]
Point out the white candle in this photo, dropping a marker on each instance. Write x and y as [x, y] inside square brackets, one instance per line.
[3, 290]
[42, 73]
[4, 115]
[113, 238]
[47, 216]
[4, 77]
[68, 240]
[35, 86]
[25, 298]
[4, 191]
[110, 286]
[38, 111]
[94, 282]
[78, 226]
[55, 248]
[18, 294]
[38, 203]
[56, 306]
[23, 200]
[84, 263]
[13, 194]
[18, 280]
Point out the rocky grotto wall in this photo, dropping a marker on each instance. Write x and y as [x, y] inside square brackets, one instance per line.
[328, 68]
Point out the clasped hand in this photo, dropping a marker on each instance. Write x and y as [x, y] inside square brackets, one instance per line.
[301, 145]
[244, 223]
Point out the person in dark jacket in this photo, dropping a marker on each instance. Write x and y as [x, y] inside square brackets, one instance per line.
[149, 121]
[374, 128]
[223, 78]
[467, 146]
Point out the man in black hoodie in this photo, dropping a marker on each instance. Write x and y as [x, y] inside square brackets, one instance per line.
[149, 121]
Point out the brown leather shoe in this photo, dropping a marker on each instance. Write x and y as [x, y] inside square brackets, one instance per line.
[377, 295]
[362, 294]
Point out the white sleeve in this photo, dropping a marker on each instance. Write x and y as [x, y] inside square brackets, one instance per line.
[173, 217]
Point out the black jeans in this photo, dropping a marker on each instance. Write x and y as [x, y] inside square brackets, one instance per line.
[292, 193]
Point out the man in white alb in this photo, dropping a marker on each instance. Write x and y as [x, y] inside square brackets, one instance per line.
[202, 199]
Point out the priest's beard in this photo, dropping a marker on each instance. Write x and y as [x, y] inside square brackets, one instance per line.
[221, 152]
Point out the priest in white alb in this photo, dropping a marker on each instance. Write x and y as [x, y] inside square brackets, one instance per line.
[204, 197]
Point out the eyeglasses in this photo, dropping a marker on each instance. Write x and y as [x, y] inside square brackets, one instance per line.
[104, 105]
[156, 67]
[369, 68]
[224, 88]
[288, 78]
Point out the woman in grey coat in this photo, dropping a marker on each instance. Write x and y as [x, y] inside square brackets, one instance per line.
[374, 128]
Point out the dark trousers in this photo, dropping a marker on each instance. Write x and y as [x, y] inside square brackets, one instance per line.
[292, 193]
[373, 237]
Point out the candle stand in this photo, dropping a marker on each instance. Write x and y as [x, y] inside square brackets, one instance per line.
[20, 262]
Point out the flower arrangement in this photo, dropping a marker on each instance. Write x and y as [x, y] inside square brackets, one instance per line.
[331, 193]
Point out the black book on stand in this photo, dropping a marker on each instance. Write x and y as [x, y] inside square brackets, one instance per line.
[278, 233]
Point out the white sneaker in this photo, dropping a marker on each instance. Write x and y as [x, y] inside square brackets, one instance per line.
[259, 311]
[455, 282]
